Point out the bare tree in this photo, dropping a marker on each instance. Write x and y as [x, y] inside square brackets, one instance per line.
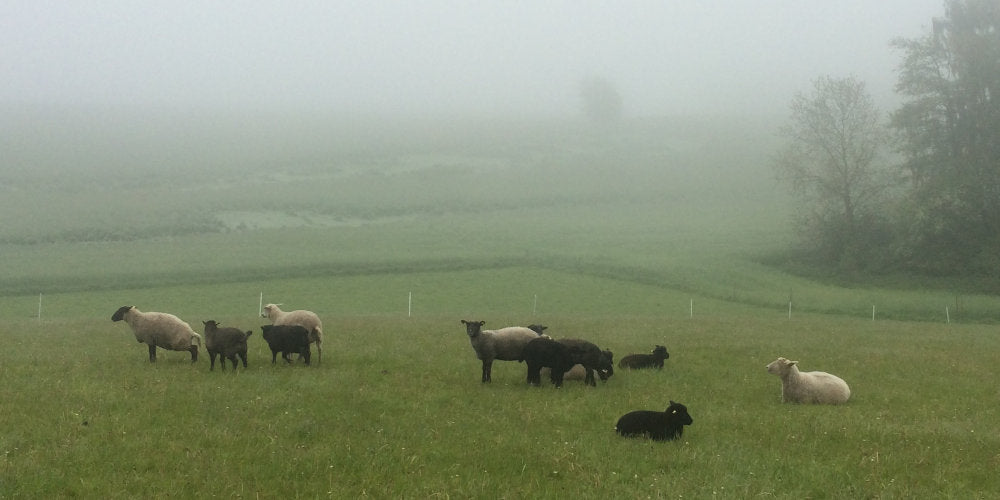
[831, 163]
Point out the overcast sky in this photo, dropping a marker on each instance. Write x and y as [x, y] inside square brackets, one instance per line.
[510, 57]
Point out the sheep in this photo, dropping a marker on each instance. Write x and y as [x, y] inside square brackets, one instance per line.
[545, 352]
[156, 329]
[227, 343]
[656, 425]
[636, 361]
[577, 372]
[504, 344]
[287, 339]
[306, 319]
[592, 359]
[808, 387]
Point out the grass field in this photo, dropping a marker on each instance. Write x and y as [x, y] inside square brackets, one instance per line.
[654, 235]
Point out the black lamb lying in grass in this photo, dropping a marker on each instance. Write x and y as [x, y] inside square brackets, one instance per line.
[645, 360]
[225, 342]
[287, 339]
[545, 352]
[656, 425]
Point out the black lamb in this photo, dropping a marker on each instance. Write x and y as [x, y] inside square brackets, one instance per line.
[656, 425]
[592, 359]
[226, 342]
[546, 352]
[655, 359]
[287, 339]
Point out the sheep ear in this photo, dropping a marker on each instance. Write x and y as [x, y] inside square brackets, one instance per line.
[790, 363]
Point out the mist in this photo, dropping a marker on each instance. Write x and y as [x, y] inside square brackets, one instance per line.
[445, 58]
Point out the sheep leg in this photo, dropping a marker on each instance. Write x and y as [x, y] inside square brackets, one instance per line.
[152, 353]
[274, 356]
[194, 353]
[487, 370]
[232, 360]
[243, 356]
[534, 374]
[211, 357]
[589, 379]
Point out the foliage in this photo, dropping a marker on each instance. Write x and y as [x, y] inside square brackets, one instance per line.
[948, 136]
[832, 164]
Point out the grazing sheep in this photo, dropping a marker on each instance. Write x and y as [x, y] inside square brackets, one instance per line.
[306, 319]
[504, 344]
[592, 358]
[656, 425]
[226, 342]
[636, 361]
[545, 352]
[287, 339]
[578, 372]
[808, 387]
[157, 329]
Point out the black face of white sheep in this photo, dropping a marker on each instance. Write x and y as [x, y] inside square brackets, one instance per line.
[652, 360]
[539, 329]
[162, 330]
[545, 352]
[287, 339]
[656, 425]
[227, 343]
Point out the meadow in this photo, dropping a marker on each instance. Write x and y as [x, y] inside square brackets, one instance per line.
[658, 233]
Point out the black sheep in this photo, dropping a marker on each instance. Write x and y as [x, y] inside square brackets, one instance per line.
[657, 425]
[592, 359]
[645, 360]
[544, 351]
[287, 339]
[226, 342]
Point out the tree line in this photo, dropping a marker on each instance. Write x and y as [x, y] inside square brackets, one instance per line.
[919, 193]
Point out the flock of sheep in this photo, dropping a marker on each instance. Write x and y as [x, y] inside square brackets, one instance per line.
[293, 332]
[582, 359]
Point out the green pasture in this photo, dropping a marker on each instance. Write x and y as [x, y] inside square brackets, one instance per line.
[660, 232]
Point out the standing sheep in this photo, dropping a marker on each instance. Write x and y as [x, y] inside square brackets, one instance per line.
[545, 352]
[306, 319]
[156, 329]
[504, 344]
[657, 425]
[808, 387]
[592, 358]
[655, 359]
[287, 339]
[227, 343]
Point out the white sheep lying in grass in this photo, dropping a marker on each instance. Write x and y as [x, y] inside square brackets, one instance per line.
[306, 319]
[808, 387]
[157, 329]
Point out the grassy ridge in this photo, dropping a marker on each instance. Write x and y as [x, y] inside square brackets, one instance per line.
[396, 410]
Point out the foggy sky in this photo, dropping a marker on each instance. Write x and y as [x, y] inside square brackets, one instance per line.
[456, 57]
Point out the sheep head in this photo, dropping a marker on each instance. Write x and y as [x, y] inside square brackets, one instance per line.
[473, 327]
[120, 313]
[780, 366]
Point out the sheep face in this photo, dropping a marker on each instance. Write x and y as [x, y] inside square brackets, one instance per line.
[780, 367]
[539, 329]
[473, 328]
[661, 351]
[120, 313]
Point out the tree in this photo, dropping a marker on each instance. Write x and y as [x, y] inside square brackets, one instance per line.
[831, 163]
[949, 130]
[601, 100]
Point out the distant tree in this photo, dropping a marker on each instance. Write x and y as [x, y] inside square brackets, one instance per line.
[601, 101]
[835, 137]
[949, 131]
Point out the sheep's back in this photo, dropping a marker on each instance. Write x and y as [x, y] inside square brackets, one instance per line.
[162, 330]
[815, 387]
[508, 343]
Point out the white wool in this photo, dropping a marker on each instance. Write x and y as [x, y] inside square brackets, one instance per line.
[808, 387]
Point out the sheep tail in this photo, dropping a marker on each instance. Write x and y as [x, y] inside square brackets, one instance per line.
[196, 340]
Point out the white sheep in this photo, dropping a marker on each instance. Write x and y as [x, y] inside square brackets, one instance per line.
[505, 344]
[808, 387]
[157, 329]
[306, 319]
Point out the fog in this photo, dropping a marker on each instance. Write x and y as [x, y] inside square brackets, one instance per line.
[446, 57]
